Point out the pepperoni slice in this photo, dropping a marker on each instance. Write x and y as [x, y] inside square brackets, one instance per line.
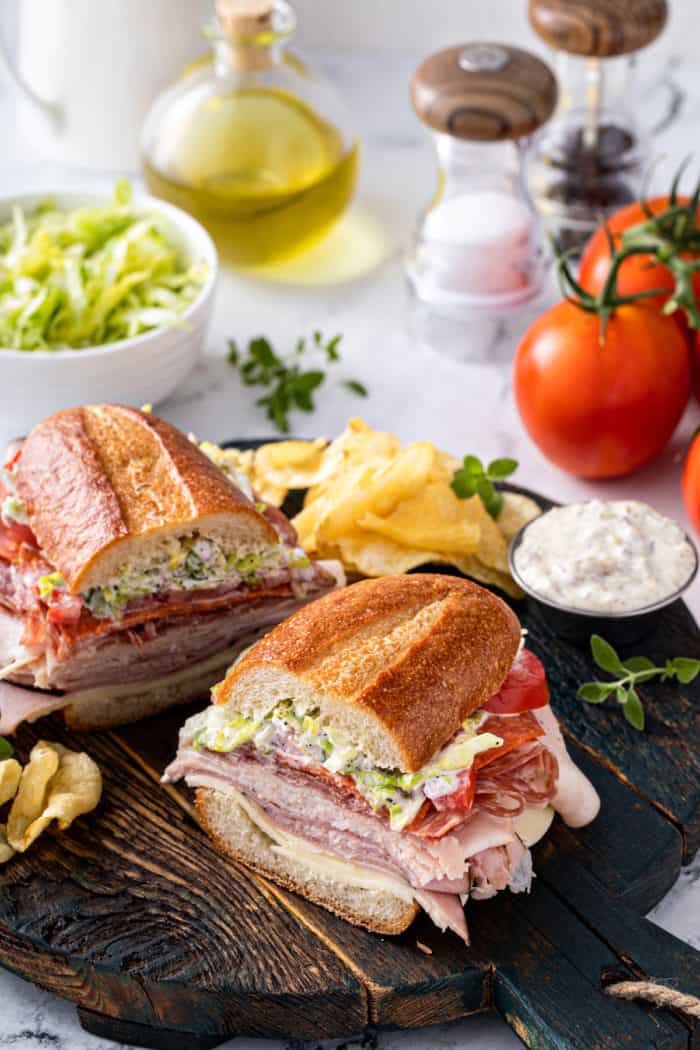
[514, 730]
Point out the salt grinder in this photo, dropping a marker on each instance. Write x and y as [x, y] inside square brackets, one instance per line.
[478, 252]
[589, 161]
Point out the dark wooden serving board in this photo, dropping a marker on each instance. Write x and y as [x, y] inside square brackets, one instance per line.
[161, 942]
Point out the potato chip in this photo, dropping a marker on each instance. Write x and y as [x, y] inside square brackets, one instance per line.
[29, 800]
[432, 519]
[371, 555]
[517, 511]
[290, 464]
[6, 850]
[74, 788]
[10, 774]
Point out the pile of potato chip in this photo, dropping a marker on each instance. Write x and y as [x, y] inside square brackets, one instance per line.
[383, 509]
[56, 784]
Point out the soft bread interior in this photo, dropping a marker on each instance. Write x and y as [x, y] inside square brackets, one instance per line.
[375, 907]
[239, 533]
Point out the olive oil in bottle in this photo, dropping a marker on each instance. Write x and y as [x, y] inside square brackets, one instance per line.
[253, 146]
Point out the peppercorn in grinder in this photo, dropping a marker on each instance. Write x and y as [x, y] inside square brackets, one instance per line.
[590, 161]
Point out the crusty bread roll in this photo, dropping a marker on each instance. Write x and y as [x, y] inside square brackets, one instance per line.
[395, 663]
[128, 482]
[231, 828]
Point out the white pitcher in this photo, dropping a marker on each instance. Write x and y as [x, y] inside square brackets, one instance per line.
[87, 70]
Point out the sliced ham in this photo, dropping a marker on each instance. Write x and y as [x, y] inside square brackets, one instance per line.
[19, 705]
[575, 798]
[339, 822]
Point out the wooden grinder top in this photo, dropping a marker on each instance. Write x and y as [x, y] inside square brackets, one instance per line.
[598, 28]
[484, 92]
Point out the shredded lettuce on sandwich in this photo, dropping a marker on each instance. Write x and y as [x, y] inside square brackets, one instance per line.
[220, 728]
[91, 276]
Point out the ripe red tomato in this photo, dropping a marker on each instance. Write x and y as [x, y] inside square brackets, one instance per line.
[696, 362]
[597, 410]
[639, 273]
[524, 689]
[691, 482]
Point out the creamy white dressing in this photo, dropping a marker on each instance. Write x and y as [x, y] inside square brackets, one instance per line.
[604, 556]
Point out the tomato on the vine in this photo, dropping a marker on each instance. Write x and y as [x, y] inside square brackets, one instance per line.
[638, 273]
[601, 408]
[691, 482]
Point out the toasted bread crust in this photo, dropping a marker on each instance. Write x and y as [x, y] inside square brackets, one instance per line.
[450, 661]
[205, 798]
[92, 476]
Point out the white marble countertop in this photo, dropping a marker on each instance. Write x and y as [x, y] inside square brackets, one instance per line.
[413, 391]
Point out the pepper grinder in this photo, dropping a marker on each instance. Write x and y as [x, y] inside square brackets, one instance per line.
[589, 162]
[478, 253]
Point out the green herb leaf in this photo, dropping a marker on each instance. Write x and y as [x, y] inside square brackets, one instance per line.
[638, 663]
[633, 710]
[686, 670]
[498, 469]
[357, 388]
[463, 485]
[332, 348]
[285, 385]
[492, 500]
[593, 692]
[261, 351]
[6, 749]
[631, 672]
[604, 655]
[472, 465]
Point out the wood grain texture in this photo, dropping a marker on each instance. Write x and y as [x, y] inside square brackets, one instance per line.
[598, 28]
[484, 92]
[163, 943]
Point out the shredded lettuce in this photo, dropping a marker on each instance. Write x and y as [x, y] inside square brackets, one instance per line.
[219, 728]
[90, 276]
[190, 563]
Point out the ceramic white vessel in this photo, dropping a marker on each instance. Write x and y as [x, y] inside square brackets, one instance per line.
[145, 369]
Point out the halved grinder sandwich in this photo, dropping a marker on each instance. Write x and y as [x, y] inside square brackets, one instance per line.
[132, 569]
[388, 747]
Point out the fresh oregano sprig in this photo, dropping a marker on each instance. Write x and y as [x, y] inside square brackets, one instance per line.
[6, 749]
[473, 479]
[288, 385]
[630, 673]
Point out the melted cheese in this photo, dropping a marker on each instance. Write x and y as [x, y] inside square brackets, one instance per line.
[533, 824]
[330, 867]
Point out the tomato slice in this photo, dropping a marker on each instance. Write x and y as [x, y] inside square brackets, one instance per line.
[514, 730]
[524, 689]
[462, 798]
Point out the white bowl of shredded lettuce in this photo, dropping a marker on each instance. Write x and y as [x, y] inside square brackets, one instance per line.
[100, 300]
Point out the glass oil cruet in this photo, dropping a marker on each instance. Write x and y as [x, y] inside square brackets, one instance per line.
[478, 254]
[590, 161]
[253, 144]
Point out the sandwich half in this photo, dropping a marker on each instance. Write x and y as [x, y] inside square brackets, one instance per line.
[389, 747]
[132, 569]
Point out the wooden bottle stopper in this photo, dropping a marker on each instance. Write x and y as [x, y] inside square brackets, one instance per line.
[246, 22]
[598, 28]
[484, 92]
